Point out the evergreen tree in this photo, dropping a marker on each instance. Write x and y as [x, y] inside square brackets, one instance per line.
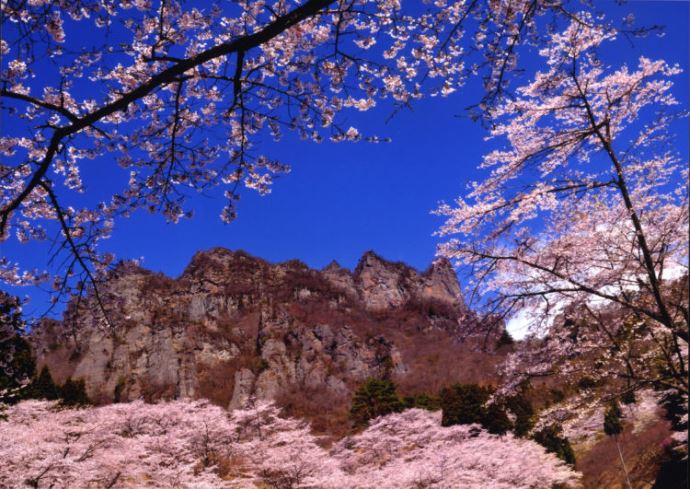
[614, 427]
[43, 387]
[612, 420]
[551, 437]
[523, 411]
[73, 393]
[374, 398]
[495, 419]
[16, 362]
[421, 401]
[464, 404]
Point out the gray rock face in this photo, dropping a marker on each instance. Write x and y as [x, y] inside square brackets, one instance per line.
[233, 326]
[383, 285]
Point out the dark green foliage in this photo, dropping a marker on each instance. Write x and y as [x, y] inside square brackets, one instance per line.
[675, 407]
[523, 411]
[375, 397]
[16, 365]
[73, 393]
[673, 471]
[505, 339]
[468, 403]
[612, 420]
[495, 419]
[551, 438]
[43, 387]
[463, 404]
[20, 366]
[421, 401]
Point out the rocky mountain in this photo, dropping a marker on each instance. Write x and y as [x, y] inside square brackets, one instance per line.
[233, 326]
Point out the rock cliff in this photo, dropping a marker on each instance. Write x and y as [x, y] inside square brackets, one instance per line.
[233, 326]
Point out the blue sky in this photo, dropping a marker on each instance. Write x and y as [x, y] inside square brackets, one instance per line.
[343, 199]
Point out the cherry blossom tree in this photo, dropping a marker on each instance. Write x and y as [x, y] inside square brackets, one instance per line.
[192, 444]
[582, 220]
[178, 95]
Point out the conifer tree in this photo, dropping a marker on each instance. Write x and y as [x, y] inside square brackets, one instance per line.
[43, 386]
[495, 419]
[374, 398]
[463, 404]
[614, 427]
[523, 411]
[551, 437]
[73, 393]
[16, 363]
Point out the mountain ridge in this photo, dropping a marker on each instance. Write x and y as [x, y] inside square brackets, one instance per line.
[233, 326]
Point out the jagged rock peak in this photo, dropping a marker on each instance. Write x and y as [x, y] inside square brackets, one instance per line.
[334, 266]
[442, 283]
[384, 284]
[340, 278]
[220, 257]
[234, 326]
[371, 259]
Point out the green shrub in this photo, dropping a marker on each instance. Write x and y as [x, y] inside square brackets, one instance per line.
[463, 404]
[468, 404]
[421, 401]
[612, 420]
[495, 419]
[523, 411]
[374, 398]
[73, 393]
[551, 438]
[16, 362]
[43, 387]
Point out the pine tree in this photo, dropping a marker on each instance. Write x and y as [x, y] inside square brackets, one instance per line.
[522, 408]
[614, 427]
[16, 362]
[374, 398]
[421, 401]
[551, 437]
[73, 393]
[464, 404]
[43, 387]
[495, 419]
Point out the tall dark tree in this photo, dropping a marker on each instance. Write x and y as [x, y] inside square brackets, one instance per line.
[43, 386]
[613, 426]
[464, 404]
[520, 406]
[551, 437]
[495, 419]
[375, 397]
[73, 393]
[16, 362]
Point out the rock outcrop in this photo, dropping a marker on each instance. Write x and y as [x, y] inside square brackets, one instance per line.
[234, 326]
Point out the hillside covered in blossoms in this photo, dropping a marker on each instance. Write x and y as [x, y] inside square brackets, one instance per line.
[194, 444]
[520, 167]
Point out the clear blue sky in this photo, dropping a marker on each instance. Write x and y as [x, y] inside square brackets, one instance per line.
[341, 200]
